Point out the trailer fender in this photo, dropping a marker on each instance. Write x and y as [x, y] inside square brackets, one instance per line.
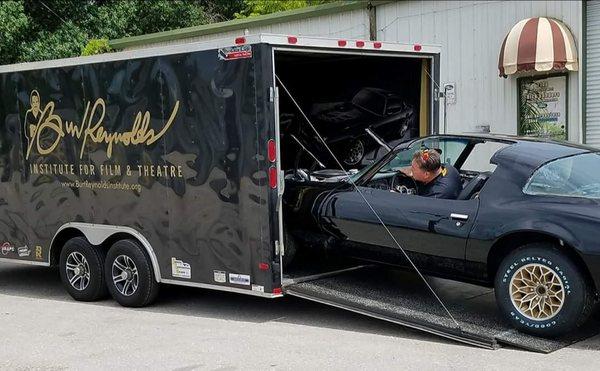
[96, 234]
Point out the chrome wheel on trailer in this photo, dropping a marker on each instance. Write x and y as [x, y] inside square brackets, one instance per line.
[78, 271]
[125, 275]
[537, 292]
[129, 274]
[82, 269]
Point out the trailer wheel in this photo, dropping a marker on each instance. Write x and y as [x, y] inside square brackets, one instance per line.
[82, 270]
[129, 274]
[542, 292]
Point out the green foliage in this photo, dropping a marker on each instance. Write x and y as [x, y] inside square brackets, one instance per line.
[34, 30]
[260, 7]
[13, 28]
[96, 46]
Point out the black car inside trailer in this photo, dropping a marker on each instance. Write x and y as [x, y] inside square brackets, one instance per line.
[168, 165]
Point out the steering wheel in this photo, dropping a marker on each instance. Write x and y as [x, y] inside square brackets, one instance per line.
[402, 183]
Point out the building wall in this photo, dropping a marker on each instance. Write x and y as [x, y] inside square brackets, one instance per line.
[470, 34]
[351, 24]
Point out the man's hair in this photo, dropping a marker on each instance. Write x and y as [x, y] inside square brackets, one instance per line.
[427, 159]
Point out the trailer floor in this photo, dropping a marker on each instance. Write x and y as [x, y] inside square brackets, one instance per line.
[401, 297]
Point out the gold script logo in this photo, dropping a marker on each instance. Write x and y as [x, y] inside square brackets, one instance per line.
[41, 122]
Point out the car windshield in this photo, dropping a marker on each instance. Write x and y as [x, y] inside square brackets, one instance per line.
[450, 148]
[573, 176]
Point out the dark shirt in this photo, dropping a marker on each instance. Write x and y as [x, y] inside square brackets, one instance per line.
[446, 185]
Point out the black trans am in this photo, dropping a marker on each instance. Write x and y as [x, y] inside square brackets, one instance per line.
[526, 222]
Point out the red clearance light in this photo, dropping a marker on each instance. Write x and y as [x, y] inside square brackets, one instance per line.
[377, 44]
[277, 290]
[240, 40]
[417, 47]
[341, 42]
[292, 39]
[272, 150]
[263, 266]
[360, 44]
[273, 177]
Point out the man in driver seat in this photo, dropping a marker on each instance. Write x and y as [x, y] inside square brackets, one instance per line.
[433, 178]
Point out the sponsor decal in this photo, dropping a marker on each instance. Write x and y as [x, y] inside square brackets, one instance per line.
[220, 276]
[24, 251]
[180, 269]
[235, 52]
[258, 288]
[239, 279]
[7, 248]
[38, 252]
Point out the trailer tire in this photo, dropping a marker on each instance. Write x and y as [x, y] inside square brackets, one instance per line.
[540, 273]
[129, 274]
[81, 266]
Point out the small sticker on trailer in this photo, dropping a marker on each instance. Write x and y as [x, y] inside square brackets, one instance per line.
[239, 279]
[235, 52]
[180, 269]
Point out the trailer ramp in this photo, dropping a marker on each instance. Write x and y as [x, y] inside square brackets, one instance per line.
[401, 297]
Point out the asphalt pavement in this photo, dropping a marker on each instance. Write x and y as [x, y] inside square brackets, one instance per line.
[189, 329]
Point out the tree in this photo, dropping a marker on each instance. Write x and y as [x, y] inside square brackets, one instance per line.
[34, 30]
[13, 29]
[259, 7]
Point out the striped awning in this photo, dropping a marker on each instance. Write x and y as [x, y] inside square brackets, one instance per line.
[538, 44]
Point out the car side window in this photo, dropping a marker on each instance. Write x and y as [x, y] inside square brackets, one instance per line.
[573, 176]
[479, 158]
[451, 148]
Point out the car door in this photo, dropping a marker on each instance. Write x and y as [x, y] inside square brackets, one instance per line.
[423, 225]
[429, 227]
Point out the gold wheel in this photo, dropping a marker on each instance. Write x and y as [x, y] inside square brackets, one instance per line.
[537, 292]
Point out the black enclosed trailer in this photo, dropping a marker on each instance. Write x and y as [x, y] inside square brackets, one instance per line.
[177, 150]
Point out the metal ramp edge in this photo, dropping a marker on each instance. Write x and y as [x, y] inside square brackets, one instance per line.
[453, 334]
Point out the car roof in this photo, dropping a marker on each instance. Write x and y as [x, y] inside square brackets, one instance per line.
[527, 151]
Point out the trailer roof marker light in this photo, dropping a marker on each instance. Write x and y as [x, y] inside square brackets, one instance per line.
[272, 150]
[360, 44]
[341, 42]
[277, 291]
[273, 177]
[417, 47]
[240, 40]
[377, 44]
[292, 39]
[263, 266]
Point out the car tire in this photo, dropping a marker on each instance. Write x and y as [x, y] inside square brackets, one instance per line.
[290, 249]
[81, 266]
[354, 152]
[540, 291]
[129, 274]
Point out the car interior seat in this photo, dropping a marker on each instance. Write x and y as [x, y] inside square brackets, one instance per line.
[474, 186]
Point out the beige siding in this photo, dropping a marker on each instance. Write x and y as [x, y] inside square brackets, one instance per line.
[470, 34]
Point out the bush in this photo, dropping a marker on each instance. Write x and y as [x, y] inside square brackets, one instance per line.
[96, 46]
